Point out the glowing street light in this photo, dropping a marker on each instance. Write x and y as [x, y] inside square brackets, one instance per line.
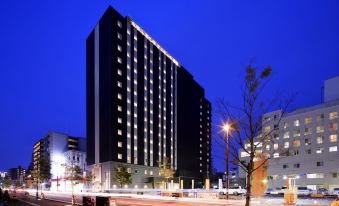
[226, 128]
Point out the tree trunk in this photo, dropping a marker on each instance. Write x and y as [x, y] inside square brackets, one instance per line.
[248, 186]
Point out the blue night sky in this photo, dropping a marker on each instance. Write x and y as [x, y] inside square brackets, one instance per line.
[42, 49]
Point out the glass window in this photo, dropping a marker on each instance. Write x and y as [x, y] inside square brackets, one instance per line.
[308, 131]
[286, 125]
[296, 143]
[119, 23]
[276, 155]
[276, 146]
[307, 141]
[119, 36]
[268, 147]
[333, 149]
[308, 120]
[119, 48]
[119, 156]
[308, 151]
[320, 128]
[119, 60]
[286, 145]
[119, 120]
[119, 84]
[267, 129]
[333, 115]
[119, 71]
[320, 117]
[296, 133]
[286, 135]
[296, 123]
[320, 150]
[119, 144]
[119, 96]
[320, 139]
[333, 126]
[296, 165]
[333, 138]
[320, 164]
[315, 175]
[119, 132]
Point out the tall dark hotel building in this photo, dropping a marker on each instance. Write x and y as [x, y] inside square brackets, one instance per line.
[142, 107]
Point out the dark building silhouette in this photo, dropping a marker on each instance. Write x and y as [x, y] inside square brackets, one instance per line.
[142, 106]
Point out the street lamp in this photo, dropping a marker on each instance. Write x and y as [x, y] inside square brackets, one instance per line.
[226, 127]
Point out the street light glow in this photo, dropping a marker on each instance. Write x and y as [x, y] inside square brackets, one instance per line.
[226, 127]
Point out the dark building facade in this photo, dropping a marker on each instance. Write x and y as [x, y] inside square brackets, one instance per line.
[142, 105]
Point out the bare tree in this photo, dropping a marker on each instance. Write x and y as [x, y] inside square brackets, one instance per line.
[245, 121]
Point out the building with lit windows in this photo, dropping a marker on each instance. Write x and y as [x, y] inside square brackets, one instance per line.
[17, 175]
[61, 151]
[142, 107]
[304, 143]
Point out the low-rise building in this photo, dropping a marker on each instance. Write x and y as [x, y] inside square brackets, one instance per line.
[304, 143]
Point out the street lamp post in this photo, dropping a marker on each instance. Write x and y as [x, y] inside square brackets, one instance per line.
[226, 128]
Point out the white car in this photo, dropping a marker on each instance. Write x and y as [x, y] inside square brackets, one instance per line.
[236, 190]
[335, 191]
[303, 191]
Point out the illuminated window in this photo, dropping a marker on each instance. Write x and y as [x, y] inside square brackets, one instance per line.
[333, 149]
[119, 132]
[333, 126]
[276, 155]
[119, 48]
[119, 84]
[296, 133]
[119, 36]
[286, 125]
[296, 143]
[319, 150]
[119, 60]
[119, 144]
[267, 129]
[307, 141]
[286, 145]
[119, 24]
[268, 147]
[315, 176]
[119, 96]
[333, 115]
[333, 138]
[275, 146]
[286, 135]
[308, 131]
[296, 123]
[119, 108]
[308, 120]
[119, 71]
[320, 128]
[119, 120]
[119, 156]
[320, 139]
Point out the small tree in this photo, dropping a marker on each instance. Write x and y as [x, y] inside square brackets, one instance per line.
[166, 170]
[6, 182]
[73, 173]
[122, 176]
[246, 121]
[42, 172]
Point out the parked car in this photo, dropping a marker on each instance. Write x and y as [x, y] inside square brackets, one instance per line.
[303, 191]
[322, 191]
[236, 190]
[335, 191]
[269, 191]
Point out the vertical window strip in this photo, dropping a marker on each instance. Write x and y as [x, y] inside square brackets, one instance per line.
[128, 95]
